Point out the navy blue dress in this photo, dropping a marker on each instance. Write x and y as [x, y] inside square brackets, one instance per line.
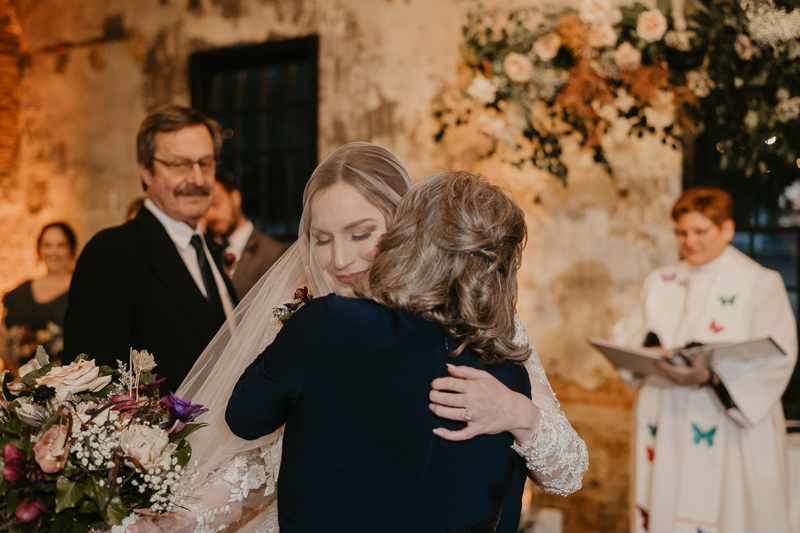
[350, 379]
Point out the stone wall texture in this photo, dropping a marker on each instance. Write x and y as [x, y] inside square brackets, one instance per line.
[78, 76]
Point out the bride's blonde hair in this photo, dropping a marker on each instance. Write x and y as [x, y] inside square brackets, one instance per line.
[451, 256]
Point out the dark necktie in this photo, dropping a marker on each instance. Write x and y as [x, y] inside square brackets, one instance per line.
[208, 280]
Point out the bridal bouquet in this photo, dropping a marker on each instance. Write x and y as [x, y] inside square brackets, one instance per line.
[84, 445]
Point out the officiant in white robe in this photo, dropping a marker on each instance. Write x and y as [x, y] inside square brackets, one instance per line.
[710, 443]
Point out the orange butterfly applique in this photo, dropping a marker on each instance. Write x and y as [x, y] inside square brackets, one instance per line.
[715, 327]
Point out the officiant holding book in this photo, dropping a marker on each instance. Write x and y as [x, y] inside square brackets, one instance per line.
[710, 443]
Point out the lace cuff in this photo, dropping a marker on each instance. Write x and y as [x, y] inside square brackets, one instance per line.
[555, 456]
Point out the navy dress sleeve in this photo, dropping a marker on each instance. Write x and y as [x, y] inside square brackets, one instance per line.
[275, 379]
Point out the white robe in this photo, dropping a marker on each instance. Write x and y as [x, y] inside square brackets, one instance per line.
[698, 467]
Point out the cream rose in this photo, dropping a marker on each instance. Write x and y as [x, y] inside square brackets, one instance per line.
[149, 446]
[602, 36]
[651, 25]
[596, 12]
[30, 414]
[107, 415]
[627, 57]
[518, 68]
[744, 47]
[546, 47]
[699, 83]
[32, 365]
[76, 377]
[491, 127]
[482, 90]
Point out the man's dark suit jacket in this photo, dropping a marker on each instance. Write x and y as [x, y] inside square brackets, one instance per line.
[131, 289]
[259, 254]
[350, 379]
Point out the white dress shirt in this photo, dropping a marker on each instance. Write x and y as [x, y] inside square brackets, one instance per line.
[239, 238]
[181, 234]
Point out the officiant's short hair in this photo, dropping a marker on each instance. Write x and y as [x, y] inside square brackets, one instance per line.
[168, 118]
[714, 204]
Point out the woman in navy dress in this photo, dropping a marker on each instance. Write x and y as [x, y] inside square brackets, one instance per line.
[441, 291]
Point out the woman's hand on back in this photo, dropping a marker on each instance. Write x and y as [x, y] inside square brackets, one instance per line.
[493, 408]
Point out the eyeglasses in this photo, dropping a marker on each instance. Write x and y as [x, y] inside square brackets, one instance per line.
[182, 166]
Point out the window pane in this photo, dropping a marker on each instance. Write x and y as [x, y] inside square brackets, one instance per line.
[777, 251]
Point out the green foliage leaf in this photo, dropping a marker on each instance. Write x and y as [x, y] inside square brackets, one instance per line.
[665, 6]
[41, 356]
[68, 494]
[187, 430]
[30, 378]
[93, 492]
[114, 512]
[184, 455]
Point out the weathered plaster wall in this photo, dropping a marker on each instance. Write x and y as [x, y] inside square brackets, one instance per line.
[74, 89]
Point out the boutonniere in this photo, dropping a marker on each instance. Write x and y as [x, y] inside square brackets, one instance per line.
[228, 260]
[301, 298]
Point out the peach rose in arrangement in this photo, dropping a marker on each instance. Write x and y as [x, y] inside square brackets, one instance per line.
[651, 25]
[627, 57]
[599, 12]
[149, 446]
[518, 68]
[482, 90]
[76, 377]
[51, 450]
[602, 36]
[546, 47]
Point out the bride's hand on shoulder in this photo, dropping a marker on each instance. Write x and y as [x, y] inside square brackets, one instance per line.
[489, 407]
[175, 522]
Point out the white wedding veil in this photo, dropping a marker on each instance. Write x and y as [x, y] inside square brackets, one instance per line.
[252, 326]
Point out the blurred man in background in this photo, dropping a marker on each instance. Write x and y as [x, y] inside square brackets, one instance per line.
[248, 253]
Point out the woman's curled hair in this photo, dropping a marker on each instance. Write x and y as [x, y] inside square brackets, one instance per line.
[451, 256]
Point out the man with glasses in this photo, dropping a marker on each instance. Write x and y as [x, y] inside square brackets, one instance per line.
[710, 443]
[151, 284]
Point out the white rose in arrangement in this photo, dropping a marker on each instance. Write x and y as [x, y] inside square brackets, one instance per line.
[602, 36]
[106, 415]
[699, 83]
[627, 57]
[491, 127]
[482, 90]
[546, 47]
[30, 413]
[598, 12]
[744, 48]
[651, 25]
[149, 446]
[76, 377]
[789, 107]
[518, 68]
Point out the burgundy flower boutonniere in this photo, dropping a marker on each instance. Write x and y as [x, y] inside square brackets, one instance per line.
[301, 297]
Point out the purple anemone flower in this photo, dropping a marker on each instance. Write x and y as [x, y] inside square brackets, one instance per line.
[183, 410]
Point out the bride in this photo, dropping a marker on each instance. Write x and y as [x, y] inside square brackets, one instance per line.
[351, 197]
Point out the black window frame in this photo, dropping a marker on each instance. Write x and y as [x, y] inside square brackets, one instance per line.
[203, 65]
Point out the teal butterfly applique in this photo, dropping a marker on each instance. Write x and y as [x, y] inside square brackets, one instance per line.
[652, 429]
[708, 435]
[726, 301]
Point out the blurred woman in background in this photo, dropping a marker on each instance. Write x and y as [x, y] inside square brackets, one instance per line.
[34, 312]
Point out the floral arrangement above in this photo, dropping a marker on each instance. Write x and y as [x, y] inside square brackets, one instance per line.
[301, 298]
[20, 342]
[531, 79]
[85, 445]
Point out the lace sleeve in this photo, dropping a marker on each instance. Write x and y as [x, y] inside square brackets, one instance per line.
[239, 492]
[555, 455]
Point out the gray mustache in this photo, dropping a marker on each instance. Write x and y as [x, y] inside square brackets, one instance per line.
[192, 190]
